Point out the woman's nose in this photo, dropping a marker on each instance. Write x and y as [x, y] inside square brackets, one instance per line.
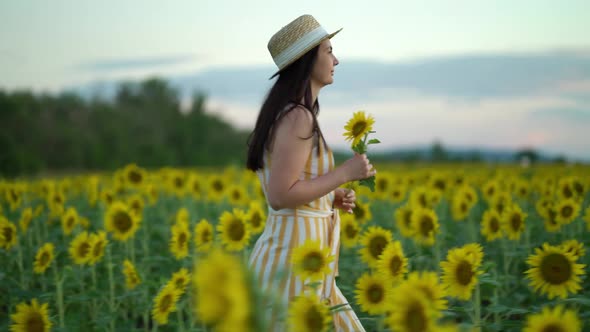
[336, 62]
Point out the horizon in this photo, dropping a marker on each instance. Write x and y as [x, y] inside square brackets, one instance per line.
[457, 81]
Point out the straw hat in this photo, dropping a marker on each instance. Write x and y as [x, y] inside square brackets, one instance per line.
[295, 39]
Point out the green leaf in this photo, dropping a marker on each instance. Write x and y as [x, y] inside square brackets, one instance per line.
[360, 147]
[374, 141]
[368, 182]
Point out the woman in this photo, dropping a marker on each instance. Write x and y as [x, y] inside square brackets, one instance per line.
[296, 168]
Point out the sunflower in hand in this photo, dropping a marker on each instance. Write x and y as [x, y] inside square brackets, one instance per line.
[357, 130]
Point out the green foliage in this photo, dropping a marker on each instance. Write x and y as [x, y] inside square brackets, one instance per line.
[143, 124]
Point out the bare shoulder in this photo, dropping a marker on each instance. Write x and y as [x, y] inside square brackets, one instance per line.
[299, 119]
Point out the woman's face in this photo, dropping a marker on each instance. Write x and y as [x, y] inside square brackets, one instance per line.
[323, 70]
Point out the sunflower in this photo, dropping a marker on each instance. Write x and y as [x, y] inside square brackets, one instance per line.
[403, 220]
[522, 188]
[475, 251]
[38, 210]
[216, 188]
[165, 303]
[233, 230]
[372, 293]
[195, 186]
[203, 235]
[349, 230]
[25, 219]
[357, 127]
[121, 221]
[180, 279]
[136, 203]
[460, 273]
[14, 196]
[587, 217]
[256, 217]
[556, 319]
[468, 193]
[490, 189]
[574, 247]
[565, 189]
[34, 317]
[177, 183]
[7, 234]
[236, 195]
[460, 208]
[393, 264]
[425, 222]
[513, 222]
[567, 210]
[80, 248]
[428, 283]
[579, 188]
[550, 223]
[84, 222]
[438, 181]
[554, 272]
[374, 241]
[182, 216]
[502, 202]
[308, 313]
[134, 176]
[55, 201]
[151, 191]
[362, 212]
[132, 279]
[98, 243]
[311, 261]
[543, 205]
[220, 291]
[491, 225]
[383, 182]
[397, 193]
[420, 196]
[43, 258]
[179, 240]
[69, 220]
[107, 196]
[412, 312]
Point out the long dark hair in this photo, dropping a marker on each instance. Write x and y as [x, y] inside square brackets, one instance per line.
[292, 85]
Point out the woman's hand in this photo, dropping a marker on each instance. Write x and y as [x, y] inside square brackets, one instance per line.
[344, 199]
[358, 167]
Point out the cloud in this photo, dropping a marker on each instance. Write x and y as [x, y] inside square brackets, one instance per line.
[124, 64]
[567, 115]
[510, 101]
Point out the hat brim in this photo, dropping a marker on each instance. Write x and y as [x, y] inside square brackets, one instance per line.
[329, 36]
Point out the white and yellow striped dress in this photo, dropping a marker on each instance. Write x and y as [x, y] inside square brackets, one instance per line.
[289, 228]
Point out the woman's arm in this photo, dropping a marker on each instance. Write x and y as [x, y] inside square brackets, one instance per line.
[288, 159]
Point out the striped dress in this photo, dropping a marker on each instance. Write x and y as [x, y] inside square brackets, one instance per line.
[289, 228]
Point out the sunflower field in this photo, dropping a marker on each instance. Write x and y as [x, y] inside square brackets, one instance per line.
[464, 247]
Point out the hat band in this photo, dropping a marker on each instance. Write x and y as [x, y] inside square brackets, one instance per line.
[300, 45]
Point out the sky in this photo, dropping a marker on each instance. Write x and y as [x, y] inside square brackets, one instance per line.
[52, 45]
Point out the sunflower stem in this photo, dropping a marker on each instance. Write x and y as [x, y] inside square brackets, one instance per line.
[20, 262]
[146, 313]
[146, 234]
[38, 234]
[180, 319]
[111, 287]
[477, 308]
[29, 239]
[93, 311]
[496, 298]
[59, 295]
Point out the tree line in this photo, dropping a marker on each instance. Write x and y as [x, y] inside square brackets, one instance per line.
[142, 124]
